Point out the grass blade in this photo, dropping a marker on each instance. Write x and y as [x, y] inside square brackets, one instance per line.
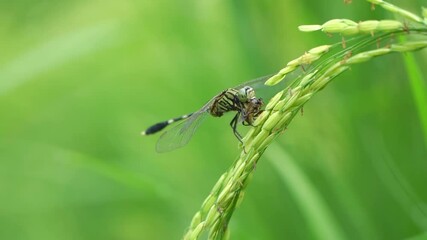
[419, 90]
[316, 212]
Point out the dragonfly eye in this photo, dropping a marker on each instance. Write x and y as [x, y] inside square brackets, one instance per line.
[246, 93]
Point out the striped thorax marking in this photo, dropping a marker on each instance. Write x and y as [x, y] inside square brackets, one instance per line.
[224, 102]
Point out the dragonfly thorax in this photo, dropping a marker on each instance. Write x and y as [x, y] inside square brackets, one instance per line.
[241, 100]
[226, 101]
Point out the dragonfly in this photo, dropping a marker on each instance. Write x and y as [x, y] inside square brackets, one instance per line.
[241, 99]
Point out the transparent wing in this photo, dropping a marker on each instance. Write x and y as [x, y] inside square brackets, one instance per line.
[180, 134]
[267, 92]
[255, 83]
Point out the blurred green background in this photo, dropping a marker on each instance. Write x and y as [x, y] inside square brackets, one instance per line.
[79, 81]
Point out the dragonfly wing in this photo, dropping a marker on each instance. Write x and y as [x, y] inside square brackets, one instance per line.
[255, 83]
[180, 134]
[267, 92]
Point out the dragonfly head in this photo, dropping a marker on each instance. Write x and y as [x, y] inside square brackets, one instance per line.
[246, 93]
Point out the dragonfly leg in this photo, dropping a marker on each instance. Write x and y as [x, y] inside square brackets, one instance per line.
[259, 113]
[247, 123]
[250, 121]
[255, 116]
[233, 125]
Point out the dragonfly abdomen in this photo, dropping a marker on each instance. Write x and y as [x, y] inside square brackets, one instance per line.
[159, 126]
